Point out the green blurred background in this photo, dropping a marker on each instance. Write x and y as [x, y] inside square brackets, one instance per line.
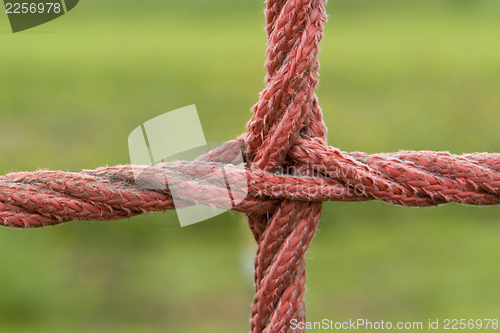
[394, 75]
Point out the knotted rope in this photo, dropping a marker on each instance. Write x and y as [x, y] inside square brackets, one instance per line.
[283, 207]
[287, 107]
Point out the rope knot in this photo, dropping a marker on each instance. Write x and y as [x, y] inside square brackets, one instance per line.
[287, 107]
[289, 171]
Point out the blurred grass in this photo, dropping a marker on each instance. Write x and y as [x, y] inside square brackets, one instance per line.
[395, 75]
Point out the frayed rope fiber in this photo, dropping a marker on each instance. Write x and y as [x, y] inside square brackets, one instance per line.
[287, 132]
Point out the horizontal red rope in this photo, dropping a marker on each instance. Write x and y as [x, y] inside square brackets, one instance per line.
[408, 178]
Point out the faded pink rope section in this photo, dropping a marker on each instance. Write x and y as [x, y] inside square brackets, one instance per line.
[289, 171]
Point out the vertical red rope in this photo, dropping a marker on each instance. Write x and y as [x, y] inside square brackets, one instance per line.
[287, 107]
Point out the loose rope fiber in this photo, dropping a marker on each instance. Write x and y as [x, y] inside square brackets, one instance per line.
[283, 207]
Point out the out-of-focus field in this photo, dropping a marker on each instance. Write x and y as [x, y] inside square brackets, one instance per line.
[394, 75]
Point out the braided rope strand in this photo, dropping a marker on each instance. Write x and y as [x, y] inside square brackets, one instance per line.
[407, 178]
[286, 105]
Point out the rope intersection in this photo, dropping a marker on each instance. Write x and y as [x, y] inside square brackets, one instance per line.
[289, 170]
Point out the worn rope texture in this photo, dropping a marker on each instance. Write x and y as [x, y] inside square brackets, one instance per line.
[408, 178]
[287, 107]
[289, 171]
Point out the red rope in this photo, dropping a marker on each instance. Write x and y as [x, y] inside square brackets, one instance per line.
[286, 134]
[408, 178]
[287, 107]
